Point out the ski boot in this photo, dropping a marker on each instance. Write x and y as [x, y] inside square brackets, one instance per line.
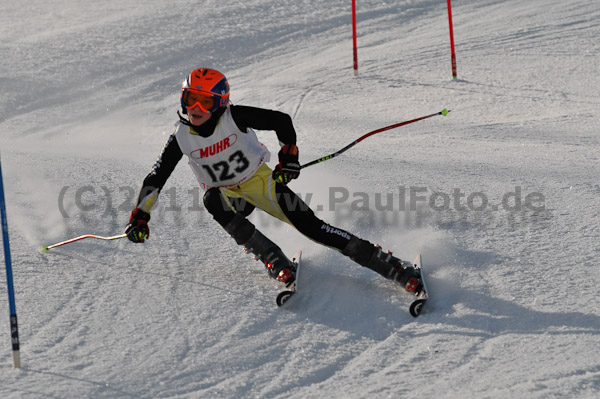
[368, 255]
[278, 265]
[396, 270]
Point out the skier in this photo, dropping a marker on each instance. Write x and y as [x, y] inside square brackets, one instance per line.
[230, 164]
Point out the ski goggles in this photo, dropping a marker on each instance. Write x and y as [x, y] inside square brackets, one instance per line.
[208, 102]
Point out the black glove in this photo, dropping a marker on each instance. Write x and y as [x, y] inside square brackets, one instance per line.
[288, 167]
[137, 230]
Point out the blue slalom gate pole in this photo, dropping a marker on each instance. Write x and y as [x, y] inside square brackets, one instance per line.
[14, 330]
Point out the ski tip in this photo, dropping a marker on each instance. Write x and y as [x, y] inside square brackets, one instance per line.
[416, 307]
[283, 297]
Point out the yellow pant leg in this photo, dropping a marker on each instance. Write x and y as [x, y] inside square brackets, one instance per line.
[259, 190]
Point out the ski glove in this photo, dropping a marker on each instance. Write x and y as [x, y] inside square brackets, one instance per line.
[137, 230]
[288, 167]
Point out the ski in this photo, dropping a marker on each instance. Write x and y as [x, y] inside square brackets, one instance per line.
[417, 305]
[290, 288]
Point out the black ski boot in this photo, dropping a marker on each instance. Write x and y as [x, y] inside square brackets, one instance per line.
[278, 265]
[368, 255]
[266, 251]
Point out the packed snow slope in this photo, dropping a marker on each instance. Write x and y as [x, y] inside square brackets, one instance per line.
[501, 197]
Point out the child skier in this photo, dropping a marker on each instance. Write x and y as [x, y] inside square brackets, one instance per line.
[230, 164]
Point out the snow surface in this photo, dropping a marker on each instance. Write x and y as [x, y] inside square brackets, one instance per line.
[89, 95]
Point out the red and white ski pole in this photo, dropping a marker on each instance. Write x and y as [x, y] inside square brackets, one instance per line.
[46, 248]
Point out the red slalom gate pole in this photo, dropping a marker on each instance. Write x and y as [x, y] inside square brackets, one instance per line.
[354, 37]
[452, 52]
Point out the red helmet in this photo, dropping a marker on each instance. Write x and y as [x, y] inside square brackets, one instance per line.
[205, 87]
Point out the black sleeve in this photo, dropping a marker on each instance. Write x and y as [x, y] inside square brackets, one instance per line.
[158, 176]
[265, 119]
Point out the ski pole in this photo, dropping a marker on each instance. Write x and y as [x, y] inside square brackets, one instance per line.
[443, 112]
[46, 248]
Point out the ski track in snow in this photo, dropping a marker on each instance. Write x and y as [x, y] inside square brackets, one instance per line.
[89, 95]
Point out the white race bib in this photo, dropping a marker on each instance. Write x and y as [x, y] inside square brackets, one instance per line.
[225, 159]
